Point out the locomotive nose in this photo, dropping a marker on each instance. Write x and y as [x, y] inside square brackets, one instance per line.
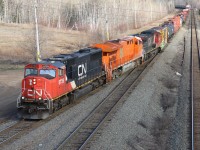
[35, 82]
[32, 81]
[33, 88]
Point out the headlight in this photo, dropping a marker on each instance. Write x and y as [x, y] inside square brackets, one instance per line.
[22, 97]
[40, 98]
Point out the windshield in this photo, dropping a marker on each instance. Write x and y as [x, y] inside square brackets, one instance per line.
[30, 71]
[49, 74]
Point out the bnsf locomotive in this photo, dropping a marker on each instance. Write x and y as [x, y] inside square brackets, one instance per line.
[55, 82]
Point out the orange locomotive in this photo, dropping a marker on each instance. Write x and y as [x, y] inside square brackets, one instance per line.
[121, 55]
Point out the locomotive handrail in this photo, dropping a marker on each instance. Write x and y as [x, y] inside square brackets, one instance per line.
[18, 98]
[46, 93]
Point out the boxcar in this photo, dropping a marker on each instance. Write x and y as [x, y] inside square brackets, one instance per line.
[170, 27]
[164, 35]
[176, 21]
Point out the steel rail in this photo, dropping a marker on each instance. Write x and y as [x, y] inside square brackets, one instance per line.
[195, 27]
[110, 111]
[13, 130]
[101, 121]
[92, 112]
[195, 72]
[192, 90]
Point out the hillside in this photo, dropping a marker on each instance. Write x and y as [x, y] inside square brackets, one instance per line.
[17, 42]
[67, 25]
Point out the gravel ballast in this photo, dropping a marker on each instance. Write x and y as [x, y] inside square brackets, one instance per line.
[180, 132]
[53, 132]
[143, 122]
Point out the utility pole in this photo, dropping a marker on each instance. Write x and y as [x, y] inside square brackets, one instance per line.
[160, 10]
[135, 15]
[38, 56]
[151, 11]
[107, 31]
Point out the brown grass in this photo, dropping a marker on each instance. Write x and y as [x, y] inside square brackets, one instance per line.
[17, 42]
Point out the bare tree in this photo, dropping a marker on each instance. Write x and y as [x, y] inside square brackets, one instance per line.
[89, 15]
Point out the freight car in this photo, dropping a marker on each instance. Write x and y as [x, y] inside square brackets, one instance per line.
[164, 35]
[170, 28]
[177, 22]
[55, 82]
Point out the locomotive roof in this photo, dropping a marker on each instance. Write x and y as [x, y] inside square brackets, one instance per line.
[167, 23]
[150, 31]
[158, 28]
[144, 37]
[57, 64]
[77, 54]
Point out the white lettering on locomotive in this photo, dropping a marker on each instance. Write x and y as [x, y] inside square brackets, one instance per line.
[82, 71]
[30, 81]
[31, 92]
[61, 81]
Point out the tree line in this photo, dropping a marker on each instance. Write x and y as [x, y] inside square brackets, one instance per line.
[89, 15]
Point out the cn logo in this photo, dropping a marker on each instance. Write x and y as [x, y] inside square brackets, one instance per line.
[37, 92]
[82, 70]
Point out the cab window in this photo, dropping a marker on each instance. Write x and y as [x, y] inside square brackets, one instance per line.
[49, 74]
[60, 72]
[31, 72]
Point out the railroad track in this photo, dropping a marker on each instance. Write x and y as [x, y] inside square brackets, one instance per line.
[7, 124]
[81, 137]
[12, 129]
[195, 86]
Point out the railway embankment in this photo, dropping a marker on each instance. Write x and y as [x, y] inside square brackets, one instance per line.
[147, 117]
[143, 121]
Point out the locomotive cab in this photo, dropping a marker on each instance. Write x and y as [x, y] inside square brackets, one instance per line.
[42, 83]
[55, 82]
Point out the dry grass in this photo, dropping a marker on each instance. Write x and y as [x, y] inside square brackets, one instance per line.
[17, 42]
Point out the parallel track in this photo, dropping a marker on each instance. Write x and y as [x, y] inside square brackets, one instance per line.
[195, 85]
[10, 130]
[13, 130]
[81, 137]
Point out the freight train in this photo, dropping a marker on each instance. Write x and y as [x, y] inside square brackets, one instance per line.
[55, 82]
